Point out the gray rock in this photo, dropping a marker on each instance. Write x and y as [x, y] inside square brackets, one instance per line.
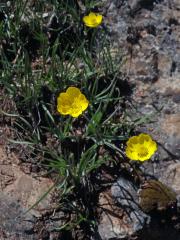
[125, 192]
[171, 177]
[121, 215]
[13, 222]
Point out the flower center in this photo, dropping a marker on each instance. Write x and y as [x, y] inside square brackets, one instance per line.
[143, 151]
[93, 20]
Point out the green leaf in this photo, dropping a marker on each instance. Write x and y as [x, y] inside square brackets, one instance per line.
[95, 121]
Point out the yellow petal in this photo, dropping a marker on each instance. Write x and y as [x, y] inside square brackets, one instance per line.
[152, 147]
[131, 154]
[99, 19]
[92, 15]
[63, 110]
[92, 20]
[63, 99]
[83, 102]
[144, 137]
[73, 92]
[142, 159]
[76, 113]
[86, 19]
[132, 140]
[63, 103]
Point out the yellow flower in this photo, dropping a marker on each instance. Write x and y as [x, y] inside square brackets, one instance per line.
[140, 147]
[92, 20]
[72, 102]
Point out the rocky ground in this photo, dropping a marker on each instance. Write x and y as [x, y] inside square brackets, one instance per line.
[148, 32]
